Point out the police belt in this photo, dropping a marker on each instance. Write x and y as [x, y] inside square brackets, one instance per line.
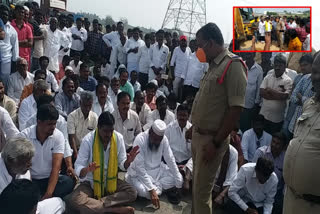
[205, 131]
[307, 197]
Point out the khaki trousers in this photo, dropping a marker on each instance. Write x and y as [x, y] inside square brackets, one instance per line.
[204, 174]
[82, 199]
[280, 39]
[295, 205]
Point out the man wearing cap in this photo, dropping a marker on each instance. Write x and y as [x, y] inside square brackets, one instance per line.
[216, 109]
[147, 173]
[179, 63]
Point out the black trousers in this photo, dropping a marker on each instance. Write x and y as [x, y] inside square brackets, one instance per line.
[272, 127]
[189, 90]
[143, 80]
[64, 186]
[233, 208]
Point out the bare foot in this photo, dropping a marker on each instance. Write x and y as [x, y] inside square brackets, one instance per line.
[123, 210]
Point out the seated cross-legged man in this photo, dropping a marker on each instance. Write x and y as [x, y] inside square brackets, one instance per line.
[101, 152]
[49, 146]
[254, 189]
[180, 146]
[148, 174]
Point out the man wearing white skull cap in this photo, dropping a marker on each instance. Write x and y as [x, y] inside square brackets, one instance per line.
[148, 173]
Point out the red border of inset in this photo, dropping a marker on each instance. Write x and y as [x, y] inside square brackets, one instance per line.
[238, 51]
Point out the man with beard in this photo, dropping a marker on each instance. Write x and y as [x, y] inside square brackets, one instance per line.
[49, 145]
[301, 164]
[147, 173]
[15, 162]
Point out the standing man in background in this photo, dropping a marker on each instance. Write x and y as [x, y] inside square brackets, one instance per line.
[216, 108]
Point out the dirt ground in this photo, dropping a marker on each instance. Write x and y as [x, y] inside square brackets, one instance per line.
[260, 46]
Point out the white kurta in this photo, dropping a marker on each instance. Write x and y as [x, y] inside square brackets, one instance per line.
[148, 172]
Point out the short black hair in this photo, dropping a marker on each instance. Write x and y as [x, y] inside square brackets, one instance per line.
[4, 8]
[106, 119]
[183, 107]
[211, 31]
[264, 166]
[42, 58]
[100, 85]
[47, 112]
[65, 81]
[137, 93]
[29, 5]
[18, 7]
[39, 71]
[136, 29]
[160, 99]
[103, 79]
[22, 190]
[75, 78]
[95, 21]
[306, 58]
[83, 65]
[122, 70]
[108, 26]
[281, 136]
[123, 94]
[78, 19]
[293, 33]
[172, 97]
[160, 32]
[258, 118]
[151, 85]
[167, 33]
[120, 23]
[147, 36]
[44, 99]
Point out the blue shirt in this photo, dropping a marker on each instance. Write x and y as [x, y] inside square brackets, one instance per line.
[88, 85]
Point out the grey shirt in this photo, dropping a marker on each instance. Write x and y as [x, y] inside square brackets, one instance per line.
[65, 105]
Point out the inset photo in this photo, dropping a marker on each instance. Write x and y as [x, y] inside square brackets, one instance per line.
[274, 29]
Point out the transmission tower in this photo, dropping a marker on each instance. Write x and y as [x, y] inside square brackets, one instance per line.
[185, 15]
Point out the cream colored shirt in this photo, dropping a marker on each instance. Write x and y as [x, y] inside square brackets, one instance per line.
[129, 128]
[143, 114]
[80, 126]
[273, 110]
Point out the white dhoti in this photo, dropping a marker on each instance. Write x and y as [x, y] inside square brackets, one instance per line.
[162, 179]
[51, 206]
[189, 165]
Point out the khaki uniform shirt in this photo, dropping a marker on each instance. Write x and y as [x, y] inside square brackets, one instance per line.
[79, 126]
[301, 165]
[213, 100]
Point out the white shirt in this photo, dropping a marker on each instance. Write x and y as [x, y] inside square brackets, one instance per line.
[52, 43]
[246, 188]
[131, 44]
[120, 55]
[108, 106]
[250, 143]
[143, 114]
[129, 128]
[9, 47]
[180, 61]
[292, 25]
[262, 28]
[195, 71]
[291, 73]
[113, 97]
[7, 126]
[306, 43]
[76, 69]
[61, 126]
[170, 117]
[158, 56]
[42, 159]
[144, 59]
[148, 163]
[38, 44]
[85, 155]
[68, 36]
[16, 85]
[112, 39]
[52, 81]
[49, 206]
[27, 109]
[181, 148]
[255, 77]
[136, 86]
[106, 71]
[78, 45]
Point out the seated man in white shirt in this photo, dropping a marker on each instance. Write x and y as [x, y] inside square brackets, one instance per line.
[103, 101]
[28, 105]
[126, 120]
[7, 127]
[15, 162]
[181, 148]
[140, 107]
[49, 146]
[114, 90]
[18, 80]
[161, 113]
[254, 138]
[101, 152]
[148, 174]
[253, 189]
[53, 84]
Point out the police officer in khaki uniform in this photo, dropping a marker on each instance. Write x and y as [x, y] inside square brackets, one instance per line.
[301, 170]
[215, 111]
